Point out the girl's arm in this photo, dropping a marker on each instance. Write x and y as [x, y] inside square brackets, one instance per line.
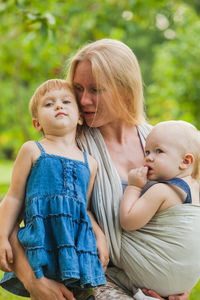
[12, 203]
[99, 234]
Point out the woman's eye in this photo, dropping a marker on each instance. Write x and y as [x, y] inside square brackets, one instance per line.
[78, 88]
[96, 90]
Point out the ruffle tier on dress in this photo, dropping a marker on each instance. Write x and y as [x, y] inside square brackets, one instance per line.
[59, 241]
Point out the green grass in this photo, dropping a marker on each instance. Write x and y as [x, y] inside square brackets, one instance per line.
[195, 294]
[5, 175]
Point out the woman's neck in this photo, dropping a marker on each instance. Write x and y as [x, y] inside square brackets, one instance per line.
[124, 146]
[117, 132]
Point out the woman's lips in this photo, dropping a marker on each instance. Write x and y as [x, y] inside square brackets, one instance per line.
[88, 114]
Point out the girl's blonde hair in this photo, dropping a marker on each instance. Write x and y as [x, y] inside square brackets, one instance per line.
[51, 84]
[115, 68]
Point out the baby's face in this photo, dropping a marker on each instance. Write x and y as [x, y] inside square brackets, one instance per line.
[163, 156]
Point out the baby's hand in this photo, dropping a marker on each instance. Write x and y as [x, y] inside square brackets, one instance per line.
[6, 255]
[138, 177]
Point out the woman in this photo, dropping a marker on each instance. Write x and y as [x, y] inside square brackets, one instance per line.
[108, 85]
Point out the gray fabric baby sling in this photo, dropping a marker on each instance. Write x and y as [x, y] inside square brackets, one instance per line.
[164, 255]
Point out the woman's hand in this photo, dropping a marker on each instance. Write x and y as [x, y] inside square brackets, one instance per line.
[103, 250]
[101, 243]
[43, 289]
[184, 296]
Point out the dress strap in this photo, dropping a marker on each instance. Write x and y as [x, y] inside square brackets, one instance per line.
[183, 185]
[85, 157]
[40, 146]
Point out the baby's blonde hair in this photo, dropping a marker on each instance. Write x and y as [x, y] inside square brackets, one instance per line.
[51, 84]
[188, 137]
[114, 67]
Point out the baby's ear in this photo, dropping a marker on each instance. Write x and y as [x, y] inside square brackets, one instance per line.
[187, 161]
[36, 125]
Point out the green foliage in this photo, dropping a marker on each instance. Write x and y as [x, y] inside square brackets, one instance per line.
[38, 37]
[175, 88]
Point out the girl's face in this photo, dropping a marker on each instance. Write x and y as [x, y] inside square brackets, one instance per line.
[163, 156]
[92, 99]
[57, 113]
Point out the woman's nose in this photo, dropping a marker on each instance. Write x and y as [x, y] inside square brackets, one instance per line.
[85, 99]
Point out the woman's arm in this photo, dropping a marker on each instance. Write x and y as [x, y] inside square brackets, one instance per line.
[99, 234]
[39, 289]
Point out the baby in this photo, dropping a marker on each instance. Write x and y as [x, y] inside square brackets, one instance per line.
[161, 212]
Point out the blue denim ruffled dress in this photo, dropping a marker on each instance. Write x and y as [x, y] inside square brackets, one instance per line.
[58, 237]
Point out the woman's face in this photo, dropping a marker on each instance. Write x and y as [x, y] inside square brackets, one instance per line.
[92, 98]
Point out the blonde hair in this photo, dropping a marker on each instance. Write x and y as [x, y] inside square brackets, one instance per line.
[189, 139]
[115, 67]
[51, 84]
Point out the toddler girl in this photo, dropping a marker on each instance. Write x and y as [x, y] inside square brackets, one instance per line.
[56, 179]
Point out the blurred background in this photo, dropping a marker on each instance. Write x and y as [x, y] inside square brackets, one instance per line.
[37, 39]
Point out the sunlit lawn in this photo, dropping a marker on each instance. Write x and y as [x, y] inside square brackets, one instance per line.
[5, 175]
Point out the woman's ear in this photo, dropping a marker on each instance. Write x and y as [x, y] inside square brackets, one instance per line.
[36, 125]
[187, 161]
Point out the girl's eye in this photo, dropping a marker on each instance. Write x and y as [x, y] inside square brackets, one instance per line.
[48, 104]
[147, 152]
[66, 101]
[159, 151]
